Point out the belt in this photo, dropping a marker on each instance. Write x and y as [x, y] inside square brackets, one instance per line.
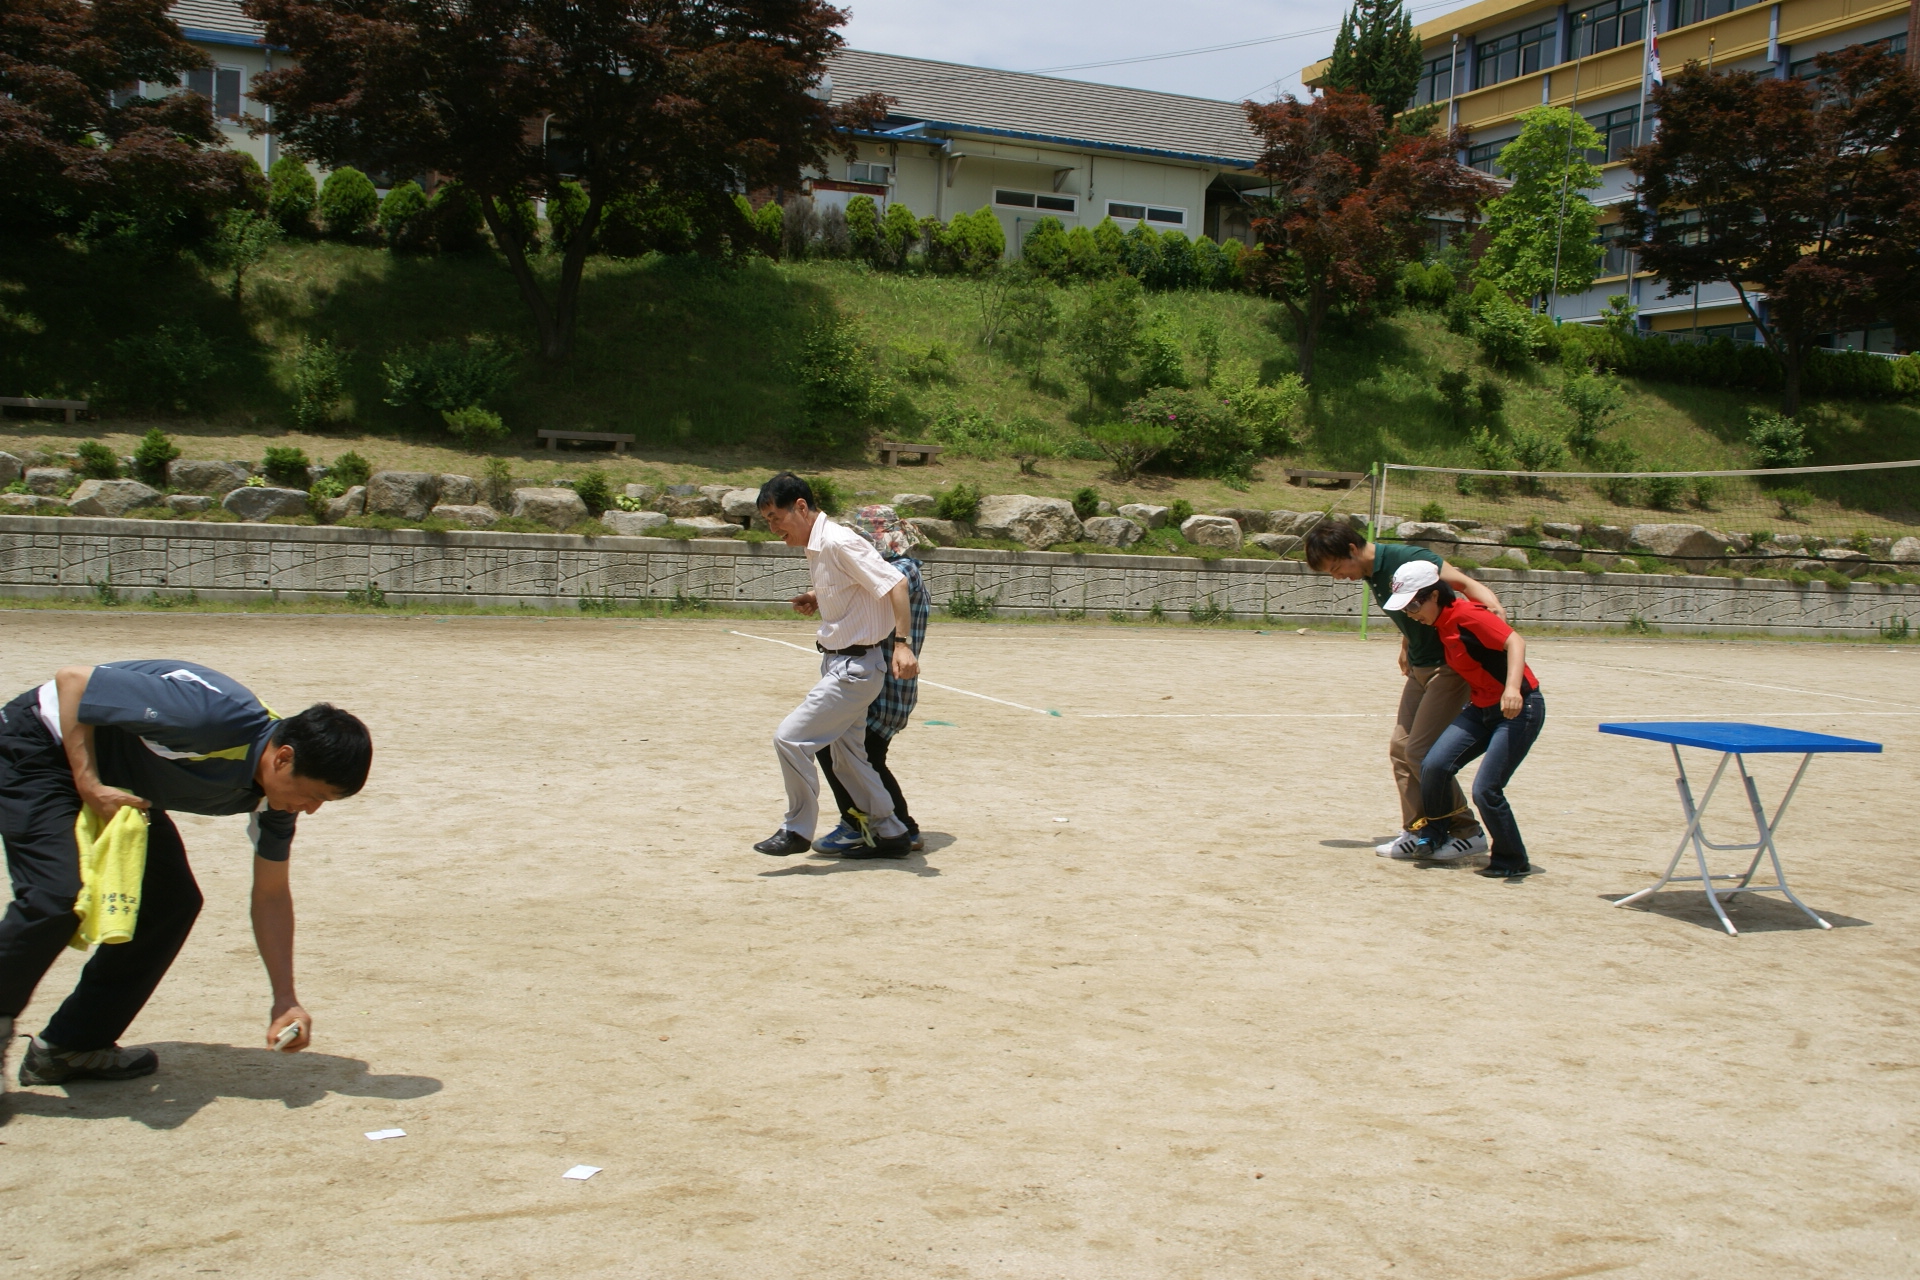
[851, 651]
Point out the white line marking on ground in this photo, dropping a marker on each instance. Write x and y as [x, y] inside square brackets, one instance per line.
[1744, 684]
[1235, 715]
[923, 680]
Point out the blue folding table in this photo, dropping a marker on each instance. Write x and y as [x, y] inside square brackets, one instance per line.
[1734, 742]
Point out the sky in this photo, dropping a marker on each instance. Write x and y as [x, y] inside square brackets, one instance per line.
[1017, 35]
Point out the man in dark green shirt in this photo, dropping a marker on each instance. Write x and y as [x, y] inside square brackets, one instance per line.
[1432, 696]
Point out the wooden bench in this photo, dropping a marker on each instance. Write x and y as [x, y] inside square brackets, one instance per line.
[617, 439]
[71, 408]
[1325, 479]
[895, 454]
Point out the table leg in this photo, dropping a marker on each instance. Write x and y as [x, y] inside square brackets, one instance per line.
[1767, 827]
[1694, 816]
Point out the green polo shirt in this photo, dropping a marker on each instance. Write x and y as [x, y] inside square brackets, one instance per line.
[1423, 642]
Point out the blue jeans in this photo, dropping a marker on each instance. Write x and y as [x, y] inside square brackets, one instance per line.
[1505, 743]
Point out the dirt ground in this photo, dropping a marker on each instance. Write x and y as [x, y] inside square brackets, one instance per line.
[1149, 1006]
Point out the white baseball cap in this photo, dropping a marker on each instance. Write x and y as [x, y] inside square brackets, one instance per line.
[1409, 580]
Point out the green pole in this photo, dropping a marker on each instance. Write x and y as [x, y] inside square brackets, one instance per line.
[1373, 492]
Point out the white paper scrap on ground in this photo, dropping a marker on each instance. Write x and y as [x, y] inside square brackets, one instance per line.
[381, 1135]
[581, 1172]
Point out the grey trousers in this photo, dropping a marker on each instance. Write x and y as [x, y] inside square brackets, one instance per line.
[834, 717]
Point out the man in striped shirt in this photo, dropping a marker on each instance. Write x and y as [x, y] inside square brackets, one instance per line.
[863, 604]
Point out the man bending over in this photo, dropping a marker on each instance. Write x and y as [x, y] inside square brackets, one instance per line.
[156, 735]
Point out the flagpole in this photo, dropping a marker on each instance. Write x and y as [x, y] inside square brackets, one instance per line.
[1649, 68]
[1566, 174]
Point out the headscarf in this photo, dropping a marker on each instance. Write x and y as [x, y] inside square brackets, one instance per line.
[882, 526]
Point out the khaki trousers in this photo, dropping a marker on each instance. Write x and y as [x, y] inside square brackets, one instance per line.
[1430, 700]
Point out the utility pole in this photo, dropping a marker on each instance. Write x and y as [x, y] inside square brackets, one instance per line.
[1566, 173]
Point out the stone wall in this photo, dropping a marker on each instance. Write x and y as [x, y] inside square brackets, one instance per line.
[66, 556]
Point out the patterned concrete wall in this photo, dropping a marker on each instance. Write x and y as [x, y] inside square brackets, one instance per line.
[67, 556]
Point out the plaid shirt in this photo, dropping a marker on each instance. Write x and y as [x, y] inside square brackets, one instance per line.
[891, 710]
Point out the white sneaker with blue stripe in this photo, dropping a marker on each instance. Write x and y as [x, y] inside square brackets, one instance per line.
[842, 838]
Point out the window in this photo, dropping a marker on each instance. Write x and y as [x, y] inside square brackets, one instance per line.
[1486, 156]
[1686, 12]
[121, 97]
[1692, 232]
[1617, 127]
[1607, 26]
[1034, 200]
[1147, 213]
[875, 172]
[1519, 54]
[221, 87]
[1808, 68]
[1616, 247]
[1436, 81]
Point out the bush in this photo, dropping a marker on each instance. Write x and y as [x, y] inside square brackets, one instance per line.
[1906, 375]
[1459, 313]
[637, 223]
[1493, 454]
[1129, 446]
[1162, 362]
[350, 469]
[1104, 337]
[1433, 513]
[319, 384]
[1503, 330]
[1617, 455]
[403, 217]
[1454, 387]
[566, 211]
[962, 502]
[168, 369]
[448, 375]
[1777, 441]
[1429, 285]
[1179, 512]
[1593, 400]
[1268, 410]
[475, 426]
[1791, 502]
[519, 217]
[863, 227]
[1028, 441]
[1086, 503]
[454, 222]
[97, 462]
[899, 233]
[841, 388]
[1208, 438]
[1665, 492]
[595, 490]
[971, 243]
[291, 195]
[826, 494]
[1537, 451]
[348, 204]
[151, 456]
[1492, 396]
[1045, 250]
[496, 481]
[286, 466]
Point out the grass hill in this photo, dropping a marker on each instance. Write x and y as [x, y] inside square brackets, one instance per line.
[696, 360]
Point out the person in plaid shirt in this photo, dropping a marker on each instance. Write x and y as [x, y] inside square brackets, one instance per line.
[894, 707]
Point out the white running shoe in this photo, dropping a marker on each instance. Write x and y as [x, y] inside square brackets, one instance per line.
[1460, 847]
[1401, 846]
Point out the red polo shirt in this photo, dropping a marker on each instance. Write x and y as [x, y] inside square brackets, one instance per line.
[1475, 642]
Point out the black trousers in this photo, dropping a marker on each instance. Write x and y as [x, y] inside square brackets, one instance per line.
[876, 756]
[38, 805]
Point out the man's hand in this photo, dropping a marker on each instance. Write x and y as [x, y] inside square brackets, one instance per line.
[1510, 703]
[807, 605]
[107, 801]
[284, 1015]
[905, 665]
[1406, 668]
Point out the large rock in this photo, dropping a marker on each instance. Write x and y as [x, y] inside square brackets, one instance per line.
[558, 508]
[1427, 531]
[351, 503]
[690, 504]
[110, 497]
[195, 475]
[740, 505]
[1905, 551]
[26, 504]
[682, 490]
[912, 504]
[1563, 532]
[259, 502]
[642, 493]
[1846, 560]
[188, 503]
[474, 515]
[941, 533]
[1037, 522]
[403, 495]
[709, 526]
[11, 468]
[48, 480]
[631, 524]
[718, 492]
[1212, 531]
[1610, 536]
[1279, 543]
[457, 491]
[1146, 515]
[1249, 520]
[1112, 531]
[1562, 549]
[1689, 545]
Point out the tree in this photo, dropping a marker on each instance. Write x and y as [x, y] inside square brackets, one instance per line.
[74, 159]
[291, 195]
[1801, 195]
[1532, 250]
[1348, 204]
[240, 241]
[513, 96]
[1376, 53]
[1105, 336]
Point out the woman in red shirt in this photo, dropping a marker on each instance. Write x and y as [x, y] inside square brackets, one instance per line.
[1502, 718]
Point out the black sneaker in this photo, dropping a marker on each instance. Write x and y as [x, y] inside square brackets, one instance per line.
[883, 847]
[784, 844]
[49, 1064]
[1495, 872]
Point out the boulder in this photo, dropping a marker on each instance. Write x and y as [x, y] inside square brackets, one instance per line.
[1212, 531]
[1905, 551]
[1427, 531]
[1516, 555]
[558, 508]
[641, 492]
[709, 526]
[258, 502]
[1561, 532]
[691, 504]
[25, 504]
[1846, 560]
[188, 503]
[1741, 542]
[1564, 550]
[351, 503]
[1145, 515]
[48, 480]
[193, 475]
[1518, 530]
[1610, 536]
[682, 490]
[1249, 520]
[1037, 522]
[457, 491]
[1461, 522]
[110, 497]
[740, 505]
[403, 495]
[11, 468]
[631, 524]
[1111, 531]
[1784, 543]
[913, 504]
[1692, 547]
[941, 533]
[474, 515]
[1279, 543]
[718, 492]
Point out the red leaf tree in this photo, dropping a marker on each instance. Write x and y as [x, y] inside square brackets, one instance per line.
[510, 96]
[72, 158]
[1803, 195]
[1347, 206]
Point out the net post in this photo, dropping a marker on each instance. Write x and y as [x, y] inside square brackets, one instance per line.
[1374, 510]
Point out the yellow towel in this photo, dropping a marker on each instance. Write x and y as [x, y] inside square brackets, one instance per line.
[112, 864]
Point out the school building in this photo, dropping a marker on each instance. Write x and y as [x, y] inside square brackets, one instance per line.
[1488, 62]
